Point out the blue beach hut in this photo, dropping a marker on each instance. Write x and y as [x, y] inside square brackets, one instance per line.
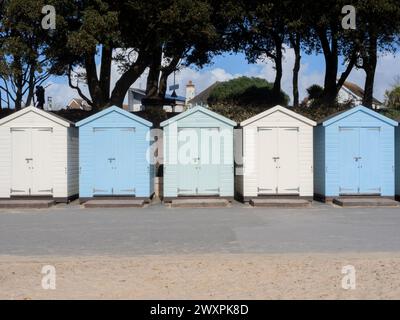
[354, 155]
[113, 160]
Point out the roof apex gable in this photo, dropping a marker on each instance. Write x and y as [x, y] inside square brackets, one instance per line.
[57, 119]
[279, 109]
[198, 109]
[332, 119]
[111, 109]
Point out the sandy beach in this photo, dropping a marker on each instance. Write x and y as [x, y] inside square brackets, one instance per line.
[226, 276]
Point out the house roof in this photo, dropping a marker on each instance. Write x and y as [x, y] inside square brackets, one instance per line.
[167, 96]
[280, 109]
[343, 114]
[114, 109]
[202, 97]
[358, 91]
[48, 115]
[198, 109]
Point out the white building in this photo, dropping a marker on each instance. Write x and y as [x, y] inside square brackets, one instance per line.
[350, 92]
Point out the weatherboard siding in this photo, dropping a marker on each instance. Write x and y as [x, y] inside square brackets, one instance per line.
[329, 184]
[319, 160]
[197, 119]
[144, 177]
[277, 119]
[73, 161]
[59, 151]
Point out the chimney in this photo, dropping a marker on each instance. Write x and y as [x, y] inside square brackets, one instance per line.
[190, 92]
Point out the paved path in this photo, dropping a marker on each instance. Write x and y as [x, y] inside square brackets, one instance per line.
[72, 230]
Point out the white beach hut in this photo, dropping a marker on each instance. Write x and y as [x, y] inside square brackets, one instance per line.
[277, 155]
[38, 156]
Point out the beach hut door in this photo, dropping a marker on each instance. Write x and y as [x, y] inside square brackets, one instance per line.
[31, 156]
[278, 161]
[359, 161]
[199, 160]
[114, 162]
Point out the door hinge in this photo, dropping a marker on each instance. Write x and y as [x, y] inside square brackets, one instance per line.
[13, 190]
[49, 190]
[294, 189]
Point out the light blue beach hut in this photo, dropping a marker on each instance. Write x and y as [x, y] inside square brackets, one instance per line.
[354, 155]
[198, 155]
[113, 158]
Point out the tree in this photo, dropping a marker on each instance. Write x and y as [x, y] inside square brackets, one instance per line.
[197, 33]
[134, 35]
[392, 98]
[22, 64]
[324, 18]
[377, 29]
[263, 34]
[94, 34]
[298, 34]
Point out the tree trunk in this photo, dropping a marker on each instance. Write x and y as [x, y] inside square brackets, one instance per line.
[127, 79]
[105, 72]
[166, 72]
[295, 41]
[18, 84]
[31, 90]
[93, 83]
[370, 68]
[330, 51]
[276, 90]
[154, 75]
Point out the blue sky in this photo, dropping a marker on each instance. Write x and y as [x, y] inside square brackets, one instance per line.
[228, 66]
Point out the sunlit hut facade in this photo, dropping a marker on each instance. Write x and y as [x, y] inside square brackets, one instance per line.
[113, 159]
[277, 155]
[38, 156]
[198, 155]
[354, 155]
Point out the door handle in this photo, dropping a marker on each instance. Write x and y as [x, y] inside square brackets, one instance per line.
[111, 159]
[28, 159]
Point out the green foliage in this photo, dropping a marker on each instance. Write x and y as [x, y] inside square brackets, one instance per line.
[392, 98]
[320, 112]
[391, 113]
[315, 91]
[243, 97]
[245, 91]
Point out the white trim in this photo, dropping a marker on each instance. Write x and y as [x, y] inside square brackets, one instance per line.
[39, 112]
[281, 109]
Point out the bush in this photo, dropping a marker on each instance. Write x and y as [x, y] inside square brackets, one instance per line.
[245, 91]
[315, 92]
[392, 98]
